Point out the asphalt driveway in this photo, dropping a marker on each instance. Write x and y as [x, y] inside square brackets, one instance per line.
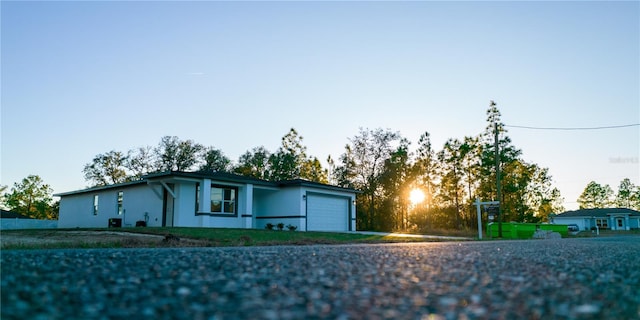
[595, 278]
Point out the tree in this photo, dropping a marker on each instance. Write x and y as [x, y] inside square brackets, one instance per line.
[312, 170]
[344, 173]
[508, 153]
[215, 160]
[254, 163]
[108, 168]
[286, 163]
[451, 183]
[426, 174]
[542, 199]
[628, 195]
[32, 198]
[362, 164]
[173, 154]
[396, 182]
[595, 196]
[139, 162]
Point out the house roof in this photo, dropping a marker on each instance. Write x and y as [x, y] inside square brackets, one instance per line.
[215, 176]
[218, 176]
[307, 183]
[99, 188]
[4, 214]
[598, 212]
[231, 177]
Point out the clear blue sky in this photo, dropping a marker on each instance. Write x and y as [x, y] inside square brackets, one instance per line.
[83, 78]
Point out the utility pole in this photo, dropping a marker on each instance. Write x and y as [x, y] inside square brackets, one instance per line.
[495, 126]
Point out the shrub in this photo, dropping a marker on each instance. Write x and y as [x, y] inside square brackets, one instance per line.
[280, 226]
[291, 228]
[269, 226]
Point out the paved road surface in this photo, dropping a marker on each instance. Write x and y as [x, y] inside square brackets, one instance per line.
[545, 279]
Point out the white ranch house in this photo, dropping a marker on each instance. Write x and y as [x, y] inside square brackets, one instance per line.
[215, 199]
[605, 218]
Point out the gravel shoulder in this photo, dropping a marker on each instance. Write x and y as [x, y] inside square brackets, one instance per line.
[591, 278]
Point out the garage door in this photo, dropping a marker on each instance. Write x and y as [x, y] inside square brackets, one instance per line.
[326, 213]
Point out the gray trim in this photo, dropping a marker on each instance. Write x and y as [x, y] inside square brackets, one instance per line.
[222, 215]
[282, 217]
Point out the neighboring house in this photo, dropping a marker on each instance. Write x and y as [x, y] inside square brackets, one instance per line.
[211, 199]
[605, 218]
[13, 220]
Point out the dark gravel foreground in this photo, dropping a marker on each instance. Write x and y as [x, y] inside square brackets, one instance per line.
[545, 279]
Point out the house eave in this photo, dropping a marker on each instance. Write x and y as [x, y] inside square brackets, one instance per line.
[100, 188]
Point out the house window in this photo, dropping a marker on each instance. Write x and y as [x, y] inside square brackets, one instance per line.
[120, 208]
[602, 223]
[223, 200]
[95, 205]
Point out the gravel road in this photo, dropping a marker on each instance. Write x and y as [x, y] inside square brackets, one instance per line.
[596, 278]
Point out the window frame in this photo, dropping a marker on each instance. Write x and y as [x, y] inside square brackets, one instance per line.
[602, 223]
[119, 201]
[96, 202]
[223, 201]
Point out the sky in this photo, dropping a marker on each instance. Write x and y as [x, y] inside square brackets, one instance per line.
[83, 78]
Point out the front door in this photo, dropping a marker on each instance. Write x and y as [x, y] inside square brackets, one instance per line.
[620, 224]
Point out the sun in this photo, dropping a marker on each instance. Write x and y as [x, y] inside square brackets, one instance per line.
[416, 196]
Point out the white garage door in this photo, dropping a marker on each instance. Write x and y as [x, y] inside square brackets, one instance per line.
[326, 213]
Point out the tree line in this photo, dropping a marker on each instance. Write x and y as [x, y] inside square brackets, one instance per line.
[596, 195]
[377, 162]
[290, 161]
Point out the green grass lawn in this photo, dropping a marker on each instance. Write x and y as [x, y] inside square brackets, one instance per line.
[256, 237]
[212, 237]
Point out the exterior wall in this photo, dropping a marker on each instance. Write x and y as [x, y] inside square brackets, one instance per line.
[586, 223]
[140, 203]
[184, 207]
[138, 200]
[242, 218]
[288, 206]
[284, 206]
[255, 206]
[580, 221]
[15, 223]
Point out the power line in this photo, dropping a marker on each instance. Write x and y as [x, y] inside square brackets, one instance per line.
[575, 128]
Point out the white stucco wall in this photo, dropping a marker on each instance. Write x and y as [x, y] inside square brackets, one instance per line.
[184, 207]
[255, 206]
[77, 210]
[283, 206]
[204, 218]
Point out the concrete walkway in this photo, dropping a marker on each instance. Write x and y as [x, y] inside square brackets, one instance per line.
[407, 235]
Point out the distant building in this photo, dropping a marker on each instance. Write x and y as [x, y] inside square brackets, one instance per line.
[211, 199]
[604, 218]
